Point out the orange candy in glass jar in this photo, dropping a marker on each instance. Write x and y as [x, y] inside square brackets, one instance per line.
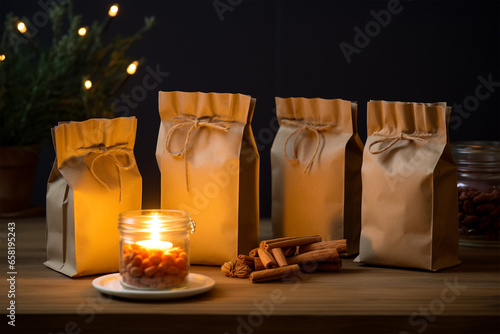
[154, 248]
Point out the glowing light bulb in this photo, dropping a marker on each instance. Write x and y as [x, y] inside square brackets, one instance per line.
[88, 84]
[113, 10]
[82, 31]
[132, 67]
[21, 27]
[2, 57]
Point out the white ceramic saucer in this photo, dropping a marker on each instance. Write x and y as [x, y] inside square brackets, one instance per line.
[110, 284]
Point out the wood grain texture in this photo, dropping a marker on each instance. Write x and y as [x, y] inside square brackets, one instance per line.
[352, 301]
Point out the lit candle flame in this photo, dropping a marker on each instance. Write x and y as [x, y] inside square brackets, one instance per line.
[82, 31]
[88, 84]
[155, 242]
[113, 10]
[155, 228]
[2, 57]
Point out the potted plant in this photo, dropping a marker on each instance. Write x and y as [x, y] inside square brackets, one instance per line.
[72, 79]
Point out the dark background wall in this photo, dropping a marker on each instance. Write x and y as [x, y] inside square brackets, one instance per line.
[427, 51]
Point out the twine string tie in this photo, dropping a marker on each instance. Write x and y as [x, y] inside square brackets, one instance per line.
[303, 126]
[193, 123]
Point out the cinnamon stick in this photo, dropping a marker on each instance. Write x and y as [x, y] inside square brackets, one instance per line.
[279, 257]
[247, 260]
[289, 242]
[289, 251]
[326, 266]
[267, 259]
[310, 267]
[273, 274]
[258, 263]
[265, 242]
[253, 252]
[337, 260]
[339, 245]
[320, 255]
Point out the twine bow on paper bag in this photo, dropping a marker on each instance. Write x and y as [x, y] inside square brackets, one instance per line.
[112, 152]
[301, 127]
[419, 136]
[194, 123]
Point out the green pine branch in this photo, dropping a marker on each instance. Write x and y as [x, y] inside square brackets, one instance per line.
[41, 86]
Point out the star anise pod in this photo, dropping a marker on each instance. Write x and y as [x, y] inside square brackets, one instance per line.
[238, 269]
[242, 270]
[228, 269]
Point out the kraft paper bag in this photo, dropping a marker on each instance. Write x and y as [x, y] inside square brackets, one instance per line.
[409, 202]
[316, 170]
[94, 178]
[209, 167]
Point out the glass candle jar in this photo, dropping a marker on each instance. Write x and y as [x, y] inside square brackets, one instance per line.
[154, 248]
[478, 181]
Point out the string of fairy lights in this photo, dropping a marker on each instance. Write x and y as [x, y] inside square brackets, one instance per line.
[113, 11]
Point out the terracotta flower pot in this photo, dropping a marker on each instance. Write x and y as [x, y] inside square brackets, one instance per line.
[17, 176]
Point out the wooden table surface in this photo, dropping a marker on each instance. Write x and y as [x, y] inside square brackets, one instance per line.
[359, 299]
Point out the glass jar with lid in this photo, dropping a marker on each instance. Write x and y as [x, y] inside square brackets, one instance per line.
[154, 249]
[478, 184]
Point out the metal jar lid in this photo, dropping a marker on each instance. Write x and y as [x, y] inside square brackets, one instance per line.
[477, 156]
